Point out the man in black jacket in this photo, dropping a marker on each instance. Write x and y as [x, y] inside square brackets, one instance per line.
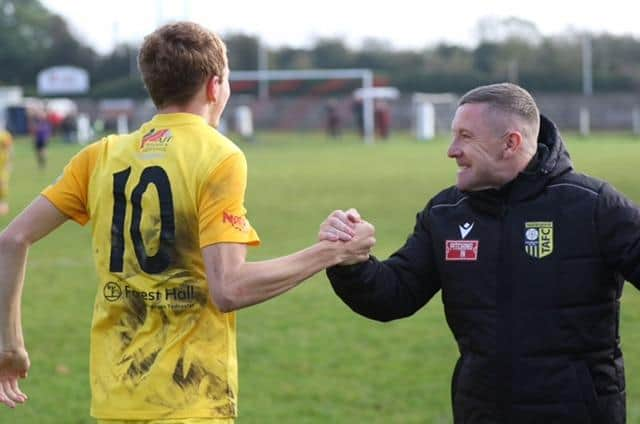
[531, 258]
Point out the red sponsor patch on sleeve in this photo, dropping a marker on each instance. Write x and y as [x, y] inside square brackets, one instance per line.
[237, 222]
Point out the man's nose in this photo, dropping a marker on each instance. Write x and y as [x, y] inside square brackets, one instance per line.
[453, 151]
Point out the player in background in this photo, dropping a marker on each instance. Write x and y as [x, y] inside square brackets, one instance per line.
[6, 149]
[41, 135]
[170, 236]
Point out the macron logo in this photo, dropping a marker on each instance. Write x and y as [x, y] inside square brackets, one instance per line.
[465, 229]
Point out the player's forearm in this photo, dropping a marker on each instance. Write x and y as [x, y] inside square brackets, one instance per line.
[13, 255]
[254, 282]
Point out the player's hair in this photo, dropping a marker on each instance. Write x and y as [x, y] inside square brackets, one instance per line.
[508, 98]
[177, 58]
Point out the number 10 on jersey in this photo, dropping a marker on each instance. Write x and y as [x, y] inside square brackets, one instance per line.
[162, 259]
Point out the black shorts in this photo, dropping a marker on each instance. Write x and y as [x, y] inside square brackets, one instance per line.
[40, 144]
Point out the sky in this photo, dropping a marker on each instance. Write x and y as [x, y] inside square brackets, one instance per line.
[405, 24]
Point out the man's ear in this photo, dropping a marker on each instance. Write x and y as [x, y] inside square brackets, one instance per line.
[213, 87]
[513, 143]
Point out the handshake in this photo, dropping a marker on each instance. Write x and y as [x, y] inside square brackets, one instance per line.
[354, 237]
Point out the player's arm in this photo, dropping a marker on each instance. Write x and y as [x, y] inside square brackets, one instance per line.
[235, 283]
[35, 222]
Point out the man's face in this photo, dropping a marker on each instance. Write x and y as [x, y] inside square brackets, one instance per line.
[477, 148]
[224, 92]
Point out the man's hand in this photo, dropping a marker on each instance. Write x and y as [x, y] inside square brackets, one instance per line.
[14, 365]
[359, 247]
[339, 225]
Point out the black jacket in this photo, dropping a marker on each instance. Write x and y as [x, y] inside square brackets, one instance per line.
[531, 278]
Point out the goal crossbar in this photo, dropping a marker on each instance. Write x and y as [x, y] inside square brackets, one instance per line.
[365, 75]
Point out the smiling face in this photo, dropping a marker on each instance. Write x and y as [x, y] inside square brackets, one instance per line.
[478, 148]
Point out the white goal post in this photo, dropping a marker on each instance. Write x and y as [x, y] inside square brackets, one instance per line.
[366, 75]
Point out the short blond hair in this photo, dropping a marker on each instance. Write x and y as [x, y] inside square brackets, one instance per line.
[176, 59]
[508, 98]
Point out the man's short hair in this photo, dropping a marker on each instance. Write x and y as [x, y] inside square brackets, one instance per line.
[176, 59]
[508, 98]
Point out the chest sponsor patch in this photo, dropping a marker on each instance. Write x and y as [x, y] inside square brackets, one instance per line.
[461, 250]
[538, 238]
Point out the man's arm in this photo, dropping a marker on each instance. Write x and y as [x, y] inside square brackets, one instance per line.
[235, 283]
[389, 289]
[35, 222]
[618, 225]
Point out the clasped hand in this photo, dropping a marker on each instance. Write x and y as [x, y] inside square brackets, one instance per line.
[349, 228]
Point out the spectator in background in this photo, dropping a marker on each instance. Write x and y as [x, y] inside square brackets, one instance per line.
[358, 116]
[244, 122]
[333, 119]
[6, 147]
[55, 120]
[41, 136]
[68, 127]
[382, 118]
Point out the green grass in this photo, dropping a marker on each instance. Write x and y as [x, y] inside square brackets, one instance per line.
[304, 357]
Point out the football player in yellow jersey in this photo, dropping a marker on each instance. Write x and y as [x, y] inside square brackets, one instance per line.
[170, 236]
[6, 145]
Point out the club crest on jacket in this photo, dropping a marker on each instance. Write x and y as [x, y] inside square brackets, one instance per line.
[538, 238]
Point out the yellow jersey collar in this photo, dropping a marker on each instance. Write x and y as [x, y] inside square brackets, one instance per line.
[173, 119]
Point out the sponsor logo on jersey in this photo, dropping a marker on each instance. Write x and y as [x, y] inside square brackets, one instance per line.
[113, 291]
[538, 238]
[465, 229]
[237, 222]
[156, 140]
[461, 250]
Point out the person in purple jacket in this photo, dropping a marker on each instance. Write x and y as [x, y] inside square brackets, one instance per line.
[41, 136]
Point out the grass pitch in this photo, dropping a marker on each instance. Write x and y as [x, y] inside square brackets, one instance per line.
[304, 357]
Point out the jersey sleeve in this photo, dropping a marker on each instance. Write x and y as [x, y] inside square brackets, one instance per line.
[69, 193]
[222, 215]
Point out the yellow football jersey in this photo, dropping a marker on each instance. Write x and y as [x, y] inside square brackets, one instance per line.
[159, 347]
[6, 143]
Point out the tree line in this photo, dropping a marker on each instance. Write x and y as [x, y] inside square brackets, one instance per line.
[32, 38]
